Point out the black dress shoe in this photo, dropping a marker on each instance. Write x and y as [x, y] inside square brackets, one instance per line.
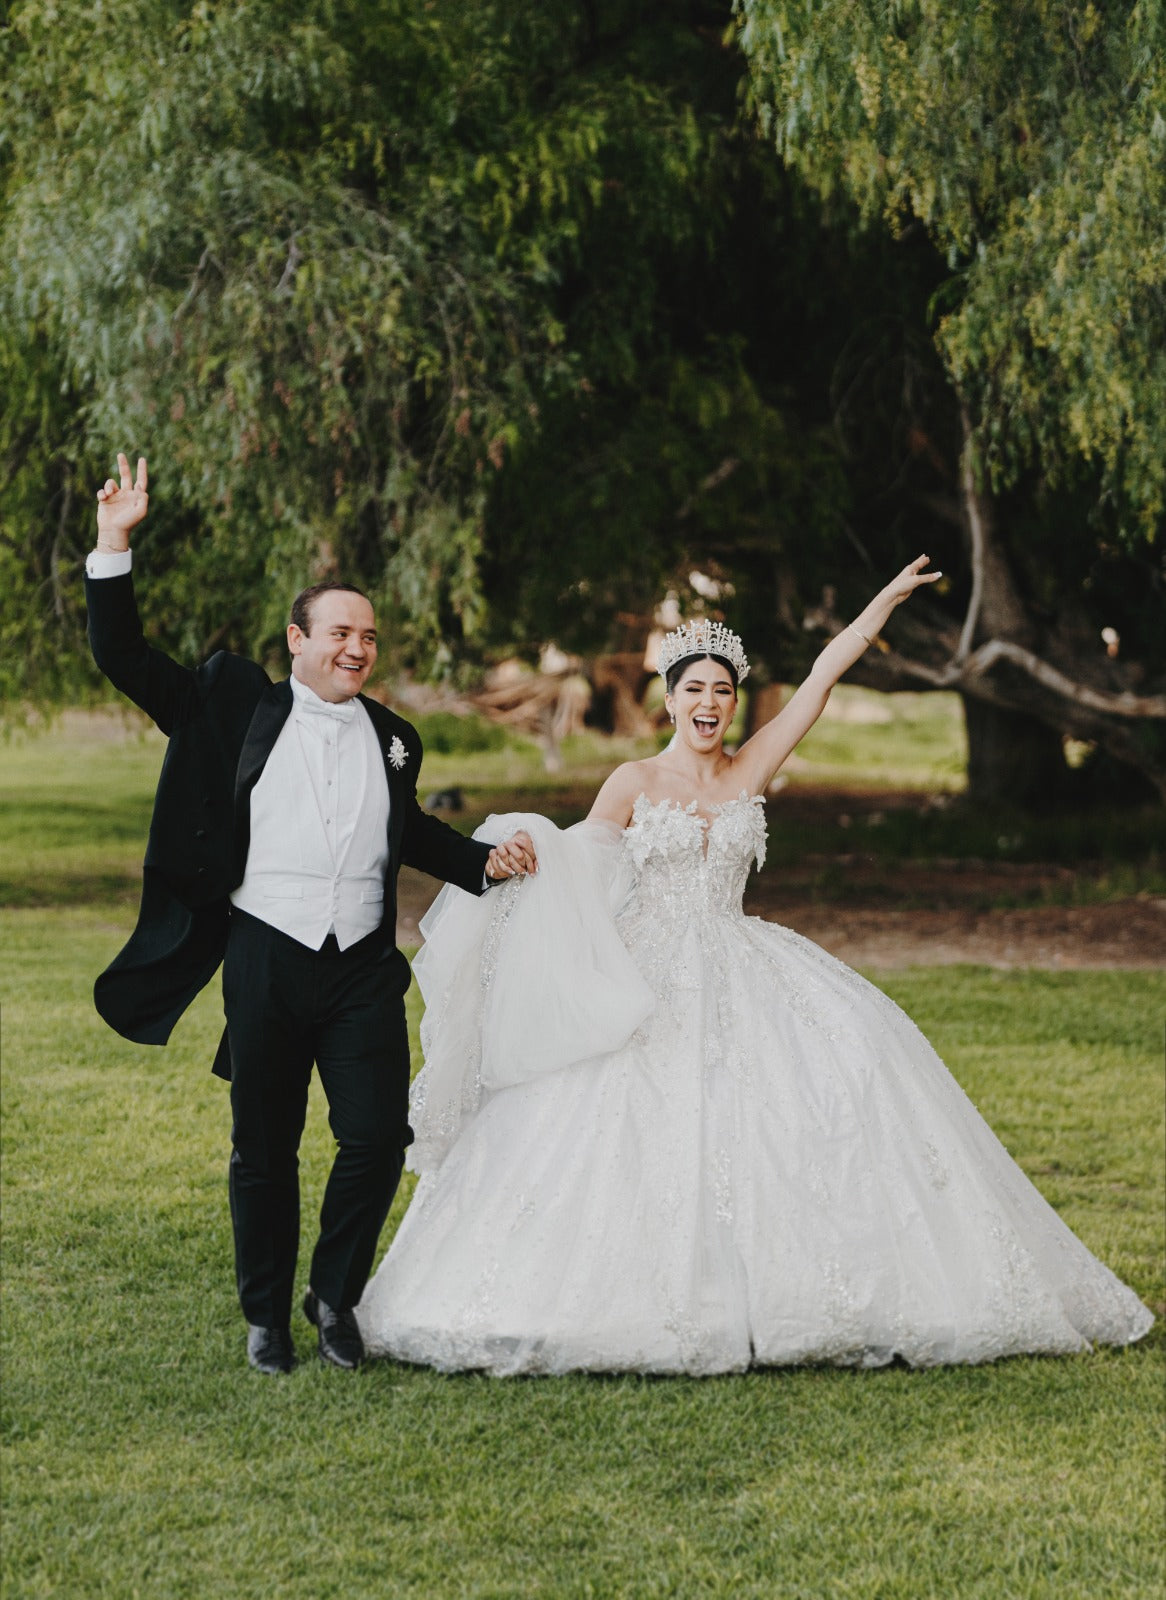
[270, 1349]
[340, 1341]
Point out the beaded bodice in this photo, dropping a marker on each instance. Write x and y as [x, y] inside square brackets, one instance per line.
[692, 866]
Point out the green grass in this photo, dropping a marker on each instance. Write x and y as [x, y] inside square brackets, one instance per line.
[894, 741]
[142, 1457]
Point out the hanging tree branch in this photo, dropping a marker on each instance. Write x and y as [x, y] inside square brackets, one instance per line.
[965, 675]
[975, 526]
[60, 542]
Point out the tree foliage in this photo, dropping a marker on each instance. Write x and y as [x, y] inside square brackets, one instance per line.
[1030, 141]
[246, 237]
[1027, 143]
[514, 318]
[304, 256]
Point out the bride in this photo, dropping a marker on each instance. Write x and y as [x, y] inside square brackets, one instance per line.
[656, 1135]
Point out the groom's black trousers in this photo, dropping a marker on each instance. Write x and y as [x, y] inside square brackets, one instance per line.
[286, 1007]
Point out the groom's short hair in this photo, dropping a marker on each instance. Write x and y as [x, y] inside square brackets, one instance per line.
[301, 611]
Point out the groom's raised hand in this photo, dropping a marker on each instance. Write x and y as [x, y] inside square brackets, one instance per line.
[121, 506]
[512, 858]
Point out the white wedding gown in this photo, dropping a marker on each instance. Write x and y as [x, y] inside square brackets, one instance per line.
[657, 1135]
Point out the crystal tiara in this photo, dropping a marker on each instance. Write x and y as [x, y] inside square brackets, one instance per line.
[703, 638]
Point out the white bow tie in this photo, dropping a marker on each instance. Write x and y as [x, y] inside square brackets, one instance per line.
[338, 710]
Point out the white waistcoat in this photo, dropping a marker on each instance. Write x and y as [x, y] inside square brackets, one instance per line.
[319, 827]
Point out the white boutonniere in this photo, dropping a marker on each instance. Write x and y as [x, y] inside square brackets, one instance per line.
[396, 755]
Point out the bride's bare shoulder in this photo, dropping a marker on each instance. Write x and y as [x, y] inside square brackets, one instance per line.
[620, 791]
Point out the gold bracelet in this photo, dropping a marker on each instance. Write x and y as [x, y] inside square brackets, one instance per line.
[859, 632]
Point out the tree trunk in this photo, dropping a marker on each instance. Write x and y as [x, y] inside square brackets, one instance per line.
[619, 680]
[762, 705]
[1013, 759]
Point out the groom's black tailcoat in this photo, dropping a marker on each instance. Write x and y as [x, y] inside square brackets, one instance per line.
[286, 1006]
[223, 719]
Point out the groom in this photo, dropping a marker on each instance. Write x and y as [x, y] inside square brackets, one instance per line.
[283, 813]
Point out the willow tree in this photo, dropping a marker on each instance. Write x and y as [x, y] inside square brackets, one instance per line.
[300, 255]
[511, 316]
[1029, 142]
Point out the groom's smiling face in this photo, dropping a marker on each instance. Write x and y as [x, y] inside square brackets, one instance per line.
[335, 655]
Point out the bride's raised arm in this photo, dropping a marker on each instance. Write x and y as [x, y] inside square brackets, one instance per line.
[760, 757]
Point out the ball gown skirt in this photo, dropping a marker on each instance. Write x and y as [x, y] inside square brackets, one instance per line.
[657, 1135]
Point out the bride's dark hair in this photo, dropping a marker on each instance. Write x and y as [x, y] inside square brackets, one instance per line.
[678, 668]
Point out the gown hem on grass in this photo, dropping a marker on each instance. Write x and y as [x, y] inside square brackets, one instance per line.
[657, 1135]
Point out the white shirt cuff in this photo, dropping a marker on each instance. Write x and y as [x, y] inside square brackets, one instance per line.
[108, 563]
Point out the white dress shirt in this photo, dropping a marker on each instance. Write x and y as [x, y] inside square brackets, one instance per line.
[319, 816]
[319, 826]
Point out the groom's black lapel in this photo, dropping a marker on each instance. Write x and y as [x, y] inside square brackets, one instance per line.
[268, 718]
[397, 806]
[385, 730]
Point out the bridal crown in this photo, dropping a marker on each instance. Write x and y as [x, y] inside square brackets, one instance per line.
[703, 638]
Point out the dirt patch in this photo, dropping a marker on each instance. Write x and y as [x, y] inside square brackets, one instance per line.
[1124, 933]
[941, 884]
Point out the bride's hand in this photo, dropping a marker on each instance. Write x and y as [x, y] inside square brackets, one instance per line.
[514, 857]
[911, 578]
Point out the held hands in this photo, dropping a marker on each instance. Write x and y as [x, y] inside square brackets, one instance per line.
[513, 858]
[121, 507]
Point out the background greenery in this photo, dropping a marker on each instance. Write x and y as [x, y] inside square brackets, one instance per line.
[143, 1458]
[519, 316]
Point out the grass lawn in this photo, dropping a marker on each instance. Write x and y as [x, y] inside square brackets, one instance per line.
[143, 1458]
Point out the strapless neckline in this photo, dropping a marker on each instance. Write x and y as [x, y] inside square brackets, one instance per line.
[690, 810]
[643, 808]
